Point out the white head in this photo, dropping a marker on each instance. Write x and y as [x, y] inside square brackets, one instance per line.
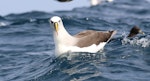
[56, 23]
[61, 36]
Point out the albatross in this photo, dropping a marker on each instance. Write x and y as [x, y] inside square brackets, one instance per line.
[86, 41]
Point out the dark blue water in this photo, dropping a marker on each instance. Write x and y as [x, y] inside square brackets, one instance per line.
[27, 47]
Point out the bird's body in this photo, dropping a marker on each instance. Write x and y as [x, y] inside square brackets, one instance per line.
[92, 37]
[85, 41]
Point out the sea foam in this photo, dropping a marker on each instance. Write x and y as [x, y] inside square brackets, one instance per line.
[143, 42]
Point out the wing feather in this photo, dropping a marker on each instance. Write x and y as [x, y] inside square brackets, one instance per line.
[89, 37]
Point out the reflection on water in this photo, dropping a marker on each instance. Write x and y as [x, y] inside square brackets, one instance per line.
[85, 56]
[82, 66]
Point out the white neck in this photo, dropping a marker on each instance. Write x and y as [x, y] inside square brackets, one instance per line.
[63, 40]
[62, 37]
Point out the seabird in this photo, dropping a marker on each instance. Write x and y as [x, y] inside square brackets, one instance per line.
[134, 31]
[97, 2]
[86, 41]
[64, 0]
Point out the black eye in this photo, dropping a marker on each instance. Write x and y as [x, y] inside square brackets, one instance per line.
[59, 21]
[51, 21]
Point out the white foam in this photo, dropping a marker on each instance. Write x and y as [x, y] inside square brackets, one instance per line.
[2, 24]
[32, 20]
[143, 42]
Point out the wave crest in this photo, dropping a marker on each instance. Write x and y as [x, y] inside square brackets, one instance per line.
[3, 24]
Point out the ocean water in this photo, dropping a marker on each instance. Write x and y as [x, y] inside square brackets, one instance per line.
[27, 46]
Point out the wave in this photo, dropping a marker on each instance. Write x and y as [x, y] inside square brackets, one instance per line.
[2, 18]
[36, 17]
[26, 15]
[4, 24]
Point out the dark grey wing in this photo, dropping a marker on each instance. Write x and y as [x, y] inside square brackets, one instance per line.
[84, 33]
[87, 38]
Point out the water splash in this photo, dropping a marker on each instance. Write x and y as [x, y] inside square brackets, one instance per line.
[143, 42]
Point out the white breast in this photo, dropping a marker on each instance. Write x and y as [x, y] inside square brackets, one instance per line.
[61, 49]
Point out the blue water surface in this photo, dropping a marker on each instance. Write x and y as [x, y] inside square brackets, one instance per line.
[27, 46]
